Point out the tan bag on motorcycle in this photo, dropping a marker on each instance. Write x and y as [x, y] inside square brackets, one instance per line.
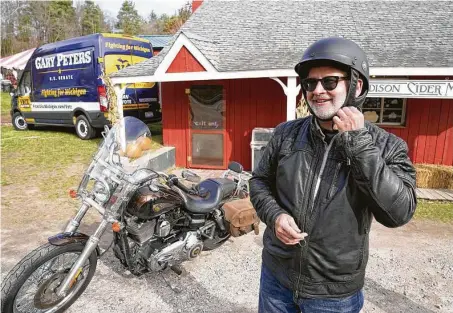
[241, 217]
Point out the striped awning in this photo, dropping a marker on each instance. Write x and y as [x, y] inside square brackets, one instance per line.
[18, 60]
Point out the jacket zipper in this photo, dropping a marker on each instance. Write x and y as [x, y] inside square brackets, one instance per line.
[335, 177]
[304, 240]
[318, 182]
[321, 171]
[365, 230]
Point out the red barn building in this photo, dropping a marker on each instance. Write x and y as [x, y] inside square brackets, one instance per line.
[230, 69]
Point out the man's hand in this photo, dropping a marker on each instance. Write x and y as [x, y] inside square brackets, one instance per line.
[287, 230]
[348, 118]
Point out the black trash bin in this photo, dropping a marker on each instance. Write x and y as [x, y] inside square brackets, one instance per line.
[260, 138]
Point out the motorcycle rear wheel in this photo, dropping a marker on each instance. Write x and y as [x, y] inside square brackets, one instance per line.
[38, 268]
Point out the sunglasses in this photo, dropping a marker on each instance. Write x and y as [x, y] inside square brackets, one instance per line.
[329, 83]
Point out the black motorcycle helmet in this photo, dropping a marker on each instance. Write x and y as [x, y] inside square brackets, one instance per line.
[343, 54]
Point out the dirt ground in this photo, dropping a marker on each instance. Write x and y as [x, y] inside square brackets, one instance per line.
[410, 268]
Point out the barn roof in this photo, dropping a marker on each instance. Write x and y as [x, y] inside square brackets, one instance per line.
[255, 35]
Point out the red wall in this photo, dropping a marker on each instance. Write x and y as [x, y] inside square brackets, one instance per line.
[185, 62]
[428, 131]
[249, 103]
[254, 103]
[196, 4]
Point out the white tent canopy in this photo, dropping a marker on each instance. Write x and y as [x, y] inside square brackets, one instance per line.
[18, 60]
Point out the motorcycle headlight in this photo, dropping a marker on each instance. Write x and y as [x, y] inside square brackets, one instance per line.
[101, 191]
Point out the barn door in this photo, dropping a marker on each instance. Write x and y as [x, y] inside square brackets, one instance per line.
[207, 127]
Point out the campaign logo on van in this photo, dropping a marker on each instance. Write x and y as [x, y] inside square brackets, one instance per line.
[120, 63]
[61, 60]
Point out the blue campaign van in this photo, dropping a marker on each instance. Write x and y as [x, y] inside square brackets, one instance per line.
[61, 84]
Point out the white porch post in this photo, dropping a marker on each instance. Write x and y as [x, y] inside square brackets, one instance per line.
[119, 92]
[291, 98]
[291, 91]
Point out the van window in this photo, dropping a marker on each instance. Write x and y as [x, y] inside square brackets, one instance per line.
[25, 84]
[121, 53]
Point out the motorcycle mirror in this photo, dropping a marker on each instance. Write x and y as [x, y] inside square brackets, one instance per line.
[235, 167]
[190, 176]
[105, 132]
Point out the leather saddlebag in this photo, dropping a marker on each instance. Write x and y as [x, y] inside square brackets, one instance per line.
[241, 217]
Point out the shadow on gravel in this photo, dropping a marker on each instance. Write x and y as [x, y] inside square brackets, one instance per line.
[390, 301]
[183, 293]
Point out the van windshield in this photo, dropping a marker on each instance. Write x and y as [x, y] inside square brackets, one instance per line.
[25, 84]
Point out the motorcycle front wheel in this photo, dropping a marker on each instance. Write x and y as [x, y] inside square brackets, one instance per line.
[31, 285]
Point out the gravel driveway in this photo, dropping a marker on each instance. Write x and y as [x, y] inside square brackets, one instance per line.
[410, 270]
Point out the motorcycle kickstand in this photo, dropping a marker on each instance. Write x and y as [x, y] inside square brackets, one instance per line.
[176, 289]
[177, 269]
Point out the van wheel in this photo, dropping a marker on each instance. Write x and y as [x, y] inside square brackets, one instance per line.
[19, 122]
[83, 128]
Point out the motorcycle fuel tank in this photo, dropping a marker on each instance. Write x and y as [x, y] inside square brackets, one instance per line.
[147, 204]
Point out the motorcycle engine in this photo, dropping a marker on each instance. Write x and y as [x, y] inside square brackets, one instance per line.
[187, 247]
[163, 228]
[160, 243]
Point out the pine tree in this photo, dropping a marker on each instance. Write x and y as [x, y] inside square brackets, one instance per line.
[92, 18]
[128, 19]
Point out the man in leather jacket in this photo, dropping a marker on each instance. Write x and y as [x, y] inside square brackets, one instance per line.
[320, 182]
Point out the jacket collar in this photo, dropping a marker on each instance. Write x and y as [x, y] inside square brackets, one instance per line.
[315, 128]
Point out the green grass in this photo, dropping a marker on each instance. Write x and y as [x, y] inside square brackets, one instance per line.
[52, 159]
[42, 158]
[155, 128]
[435, 210]
[47, 156]
[6, 106]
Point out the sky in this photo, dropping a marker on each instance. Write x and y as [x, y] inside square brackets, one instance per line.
[143, 7]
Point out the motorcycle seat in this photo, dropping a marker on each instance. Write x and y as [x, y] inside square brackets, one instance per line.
[214, 190]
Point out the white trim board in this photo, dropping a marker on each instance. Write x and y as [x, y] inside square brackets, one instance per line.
[411, 71]
[190, 76]
[210, 75]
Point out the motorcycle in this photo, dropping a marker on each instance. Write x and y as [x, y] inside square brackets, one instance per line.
[157, 221]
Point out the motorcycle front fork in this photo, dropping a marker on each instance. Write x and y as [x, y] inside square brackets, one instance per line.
[74, 223]
[90, 246]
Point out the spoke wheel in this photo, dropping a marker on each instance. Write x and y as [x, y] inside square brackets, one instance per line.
[31, 286]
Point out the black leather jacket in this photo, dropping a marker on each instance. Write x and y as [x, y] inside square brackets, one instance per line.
[332, 191]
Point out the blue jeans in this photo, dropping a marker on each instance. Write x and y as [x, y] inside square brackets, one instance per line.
[275, 298]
